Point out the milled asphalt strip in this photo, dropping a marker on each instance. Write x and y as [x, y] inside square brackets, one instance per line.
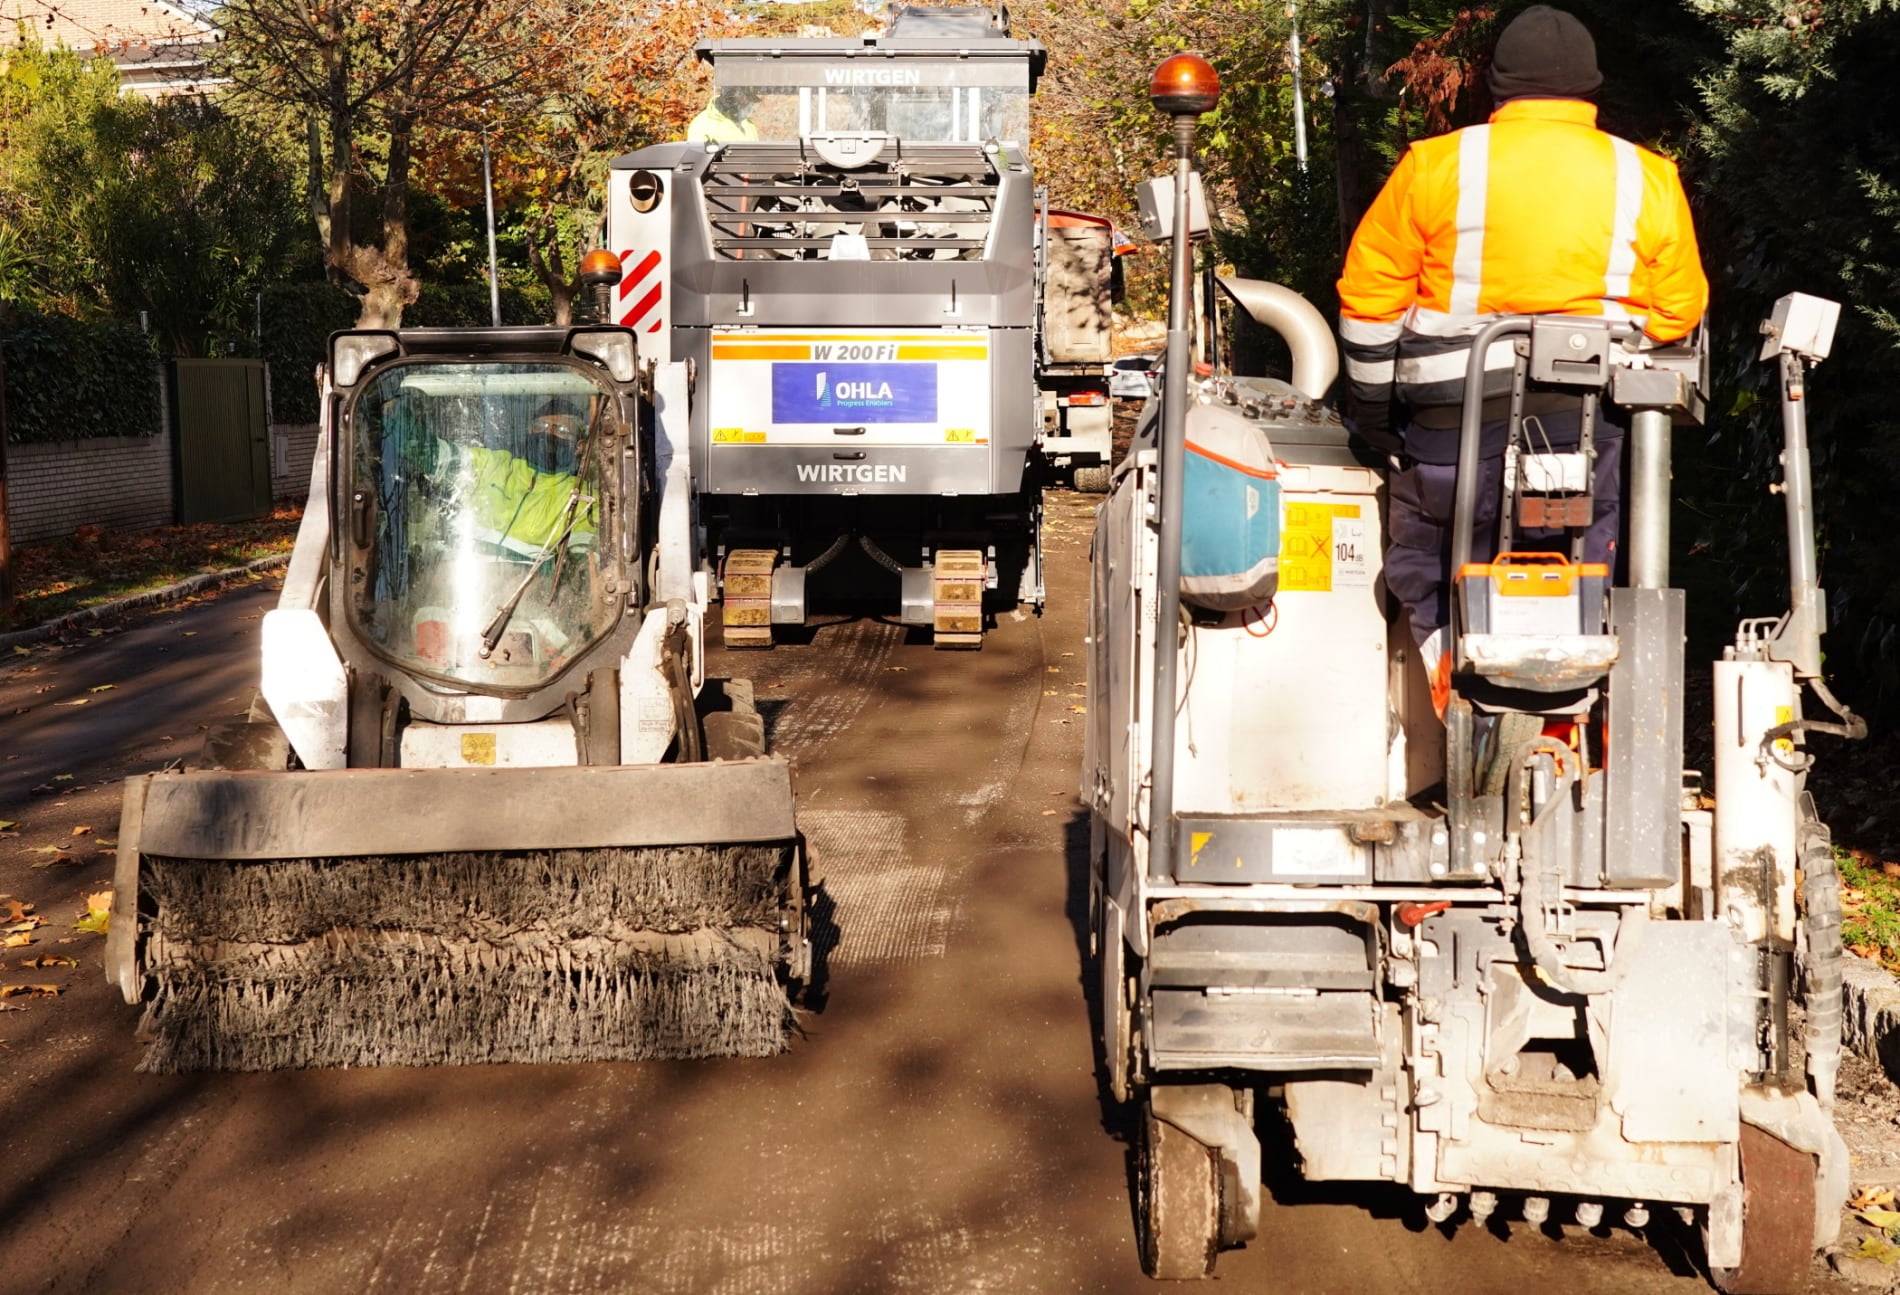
[150, 598]
[1870, 994]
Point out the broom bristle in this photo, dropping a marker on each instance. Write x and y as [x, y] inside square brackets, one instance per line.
[539, 956]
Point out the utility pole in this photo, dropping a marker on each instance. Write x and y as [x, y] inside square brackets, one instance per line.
[1299, 97]
[488, 201]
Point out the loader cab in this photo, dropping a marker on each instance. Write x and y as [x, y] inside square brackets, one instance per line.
[481, 518]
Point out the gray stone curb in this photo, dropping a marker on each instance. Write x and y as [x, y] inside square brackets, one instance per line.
[1870, 1011]
[150, 598]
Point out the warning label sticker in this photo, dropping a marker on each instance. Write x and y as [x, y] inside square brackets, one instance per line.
[1323, 548]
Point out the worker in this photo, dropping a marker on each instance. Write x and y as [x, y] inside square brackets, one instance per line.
[727, 117]
[1535, 212]
[519, 502]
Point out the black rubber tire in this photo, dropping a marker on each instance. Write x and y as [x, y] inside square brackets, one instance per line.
[734, 728]
[1093, 481]
[1178, 1206]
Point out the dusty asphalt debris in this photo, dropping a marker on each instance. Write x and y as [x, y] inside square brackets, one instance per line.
[52, 882]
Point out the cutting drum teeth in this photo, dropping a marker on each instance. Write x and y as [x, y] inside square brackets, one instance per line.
[529, 956]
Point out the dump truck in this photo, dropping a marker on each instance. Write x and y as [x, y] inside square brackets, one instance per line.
[1517, 960]
[487, 805]
[859, 292]
[1079, 281]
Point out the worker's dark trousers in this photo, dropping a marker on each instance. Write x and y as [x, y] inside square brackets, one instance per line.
[1418, 526]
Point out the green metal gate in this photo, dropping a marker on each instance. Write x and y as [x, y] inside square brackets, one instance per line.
[223, 440]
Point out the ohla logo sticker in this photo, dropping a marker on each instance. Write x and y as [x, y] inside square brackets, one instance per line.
[877, 393]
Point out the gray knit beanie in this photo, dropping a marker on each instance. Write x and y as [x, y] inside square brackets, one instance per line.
[1544, 53]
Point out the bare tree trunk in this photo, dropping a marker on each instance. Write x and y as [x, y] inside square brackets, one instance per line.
[548, 268]
[393, 286]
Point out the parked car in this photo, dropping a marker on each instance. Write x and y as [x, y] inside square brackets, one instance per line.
[1132, 376]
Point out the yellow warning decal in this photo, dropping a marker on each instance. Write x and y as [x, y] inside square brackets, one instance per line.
[737, 436]
[960, 435]
[1784, 715]
[478, 748]
[1322, 548]
[1195, 841]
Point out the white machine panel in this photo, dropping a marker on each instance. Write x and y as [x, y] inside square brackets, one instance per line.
[1293, 723]
[847, 390]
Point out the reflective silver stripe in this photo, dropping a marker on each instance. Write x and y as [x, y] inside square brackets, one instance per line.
[1474, 176]
[1420, 370]
[1366, 332]
[1629, 205]
[1370, 373]
[1436, 323]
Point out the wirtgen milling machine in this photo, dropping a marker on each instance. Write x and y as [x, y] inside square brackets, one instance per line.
[1516, 961]
[486, 808]
[857, 291]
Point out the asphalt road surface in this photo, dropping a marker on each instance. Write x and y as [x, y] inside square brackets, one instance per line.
[939, 1125]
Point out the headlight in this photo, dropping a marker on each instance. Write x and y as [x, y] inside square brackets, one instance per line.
[351, 353]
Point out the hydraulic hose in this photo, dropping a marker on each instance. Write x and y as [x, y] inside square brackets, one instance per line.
[1530, 902]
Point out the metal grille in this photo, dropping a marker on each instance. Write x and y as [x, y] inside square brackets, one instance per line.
[781, 202]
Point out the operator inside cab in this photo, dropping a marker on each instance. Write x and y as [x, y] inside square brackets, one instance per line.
[1534, 212]
[727, 117]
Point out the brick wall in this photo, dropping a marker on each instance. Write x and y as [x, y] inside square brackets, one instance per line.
[293, 446]
[120, 482]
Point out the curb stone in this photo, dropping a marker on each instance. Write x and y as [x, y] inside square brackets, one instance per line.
[150, 598]
[1870, 1011]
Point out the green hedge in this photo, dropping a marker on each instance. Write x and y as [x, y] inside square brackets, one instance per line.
[68, 380]
[299, 318]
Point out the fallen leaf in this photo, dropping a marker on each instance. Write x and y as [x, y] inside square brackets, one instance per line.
[1054, 669]
[17, 911]
[1048, 813]
[898, 669]
[1080, 710]
[191, 634]
[62, 777]
[29, 991]
[77, 701]
[104, 687]
[49, 849]
[20, 651]
[98, 913]
[17, 941]
[7, 825]
[82, 830]
[51, 960]
[1879, 1249]
[1885, 1220]
[95, 634]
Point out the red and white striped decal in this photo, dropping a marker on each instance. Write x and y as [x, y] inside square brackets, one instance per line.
[642, 291]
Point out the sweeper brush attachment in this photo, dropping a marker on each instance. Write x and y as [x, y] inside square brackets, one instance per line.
[432, 917]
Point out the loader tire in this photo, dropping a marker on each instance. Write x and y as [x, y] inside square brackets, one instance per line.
[1093, 481]
[1178, 1205]
[245, 744]
[734, 729]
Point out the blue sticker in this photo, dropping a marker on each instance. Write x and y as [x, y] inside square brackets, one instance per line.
[854, 393]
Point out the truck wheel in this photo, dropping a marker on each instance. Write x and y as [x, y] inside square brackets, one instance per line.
[735, 730]
[1177, 1182]
[1777, 1219]
[1093, 481]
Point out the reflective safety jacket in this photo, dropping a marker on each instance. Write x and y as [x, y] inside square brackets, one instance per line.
[713, 126]
[1535, 212]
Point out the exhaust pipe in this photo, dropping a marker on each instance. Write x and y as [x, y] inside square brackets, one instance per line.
[1299, 323]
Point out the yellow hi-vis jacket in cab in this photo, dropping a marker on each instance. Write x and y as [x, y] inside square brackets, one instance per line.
[1535, 212]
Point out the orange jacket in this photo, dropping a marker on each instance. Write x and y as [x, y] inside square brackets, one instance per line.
[1536, 212]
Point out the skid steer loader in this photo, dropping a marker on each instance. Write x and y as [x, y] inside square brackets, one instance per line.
[1515, 961]
[487, 807]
